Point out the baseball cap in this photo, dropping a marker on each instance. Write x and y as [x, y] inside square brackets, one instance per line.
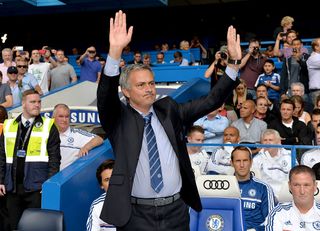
[12, 70]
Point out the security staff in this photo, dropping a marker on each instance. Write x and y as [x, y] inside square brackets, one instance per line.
[29, 155]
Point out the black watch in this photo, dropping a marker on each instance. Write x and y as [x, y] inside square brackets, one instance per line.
[235, 62]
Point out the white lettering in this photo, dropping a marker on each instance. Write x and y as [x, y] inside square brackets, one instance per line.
[82, 117]
[91, 117]
[73, 117]
[249, 205]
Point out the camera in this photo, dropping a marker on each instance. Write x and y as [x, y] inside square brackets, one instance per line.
[294, 50]
[256, 49]
[42, 52]
[282, 34]
[223, 55]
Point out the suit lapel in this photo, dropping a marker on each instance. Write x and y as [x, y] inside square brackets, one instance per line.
[168, 128]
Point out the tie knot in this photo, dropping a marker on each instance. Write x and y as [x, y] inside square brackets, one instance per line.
[27, 124]
[147, 118]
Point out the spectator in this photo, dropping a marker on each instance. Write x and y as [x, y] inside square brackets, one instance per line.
[13, 83]
[313, 65]
[63, 74]
[213, 125]
[286, 25]
[250, 128]
[41, 70]
[7, 62]
[178, 58]
[291, 130]
[303, 212]
[90, 67]
[134, 203]
[271, 80]
[75, 143]
[160, 58]
[5, 94]
[27, 81]
[198, 156]
[252, 65]
[103, 175]
[299, 109]
[31, 144]
[137, 58]
[257, 197]
[217, 68]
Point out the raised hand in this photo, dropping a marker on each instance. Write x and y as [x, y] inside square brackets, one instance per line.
[119, 37]
[233, 43]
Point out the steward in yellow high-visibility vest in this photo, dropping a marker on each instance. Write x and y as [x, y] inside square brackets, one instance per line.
[29, 155]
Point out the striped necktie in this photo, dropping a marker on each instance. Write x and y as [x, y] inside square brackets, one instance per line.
[27, 124]
[154, 160]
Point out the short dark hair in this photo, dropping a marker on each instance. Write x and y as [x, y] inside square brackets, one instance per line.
[195, 128]
[241, 148]
[288, 101]
[107, 164]
[301, 169]
[269, 61]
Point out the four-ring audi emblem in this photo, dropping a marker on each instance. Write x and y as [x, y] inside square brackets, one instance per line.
[216, 184]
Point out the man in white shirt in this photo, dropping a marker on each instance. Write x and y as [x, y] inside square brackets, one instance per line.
[303, 213]
[198, 157]
[75, 143]
[274, 164]
[103, 174]
[220, 161]
[312, 157]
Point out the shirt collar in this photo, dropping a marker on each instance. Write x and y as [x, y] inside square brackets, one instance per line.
[23, 120]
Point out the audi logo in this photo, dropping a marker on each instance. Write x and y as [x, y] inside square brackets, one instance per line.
[216, 184]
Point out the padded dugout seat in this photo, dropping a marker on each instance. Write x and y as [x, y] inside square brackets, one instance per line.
[222, 208]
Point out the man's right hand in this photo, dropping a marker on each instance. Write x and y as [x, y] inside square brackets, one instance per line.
[2, 190]
[119, 37]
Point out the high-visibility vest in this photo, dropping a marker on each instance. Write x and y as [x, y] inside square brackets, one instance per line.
[37, 146]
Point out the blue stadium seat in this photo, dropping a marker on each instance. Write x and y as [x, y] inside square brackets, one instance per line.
[222, 209]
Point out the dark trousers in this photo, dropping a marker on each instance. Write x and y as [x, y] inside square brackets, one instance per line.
[19, 201]
[172, 217]
[4, 221]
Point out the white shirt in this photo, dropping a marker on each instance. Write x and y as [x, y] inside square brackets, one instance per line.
[41, 72]
[220, 161]
[286, 216]
[199, 159]
[313, 64]
[72, 140]
[94, 223]
[311, 157]
[274, 170]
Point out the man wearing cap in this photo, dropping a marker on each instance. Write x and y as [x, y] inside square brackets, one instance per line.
[5, 94]
[12, 73]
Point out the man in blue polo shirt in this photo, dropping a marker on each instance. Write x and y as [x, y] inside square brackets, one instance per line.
[256, 196]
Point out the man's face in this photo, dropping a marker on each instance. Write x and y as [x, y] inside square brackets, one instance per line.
[231, 135]
[302, 187]
[318, 135]
[62, 119]
[142, 91]
[137, 57]
[22, 67]
[262, 91]
[197, 138]
[296, 90]
[286, 111]
[242, 164]
[160, 58]
[315, 121]
[35, 55]
[247, 110]
[105, 176]
[31, 105]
